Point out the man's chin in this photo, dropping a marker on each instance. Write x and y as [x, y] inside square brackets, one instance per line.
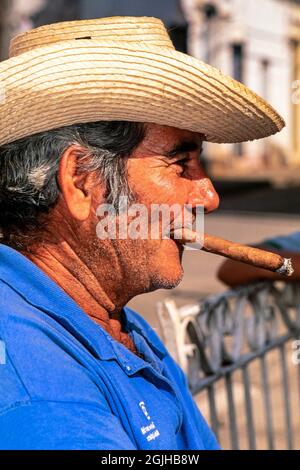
[165, 266]
[169, 279]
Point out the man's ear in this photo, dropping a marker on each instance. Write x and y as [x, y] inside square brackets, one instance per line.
[76, 188]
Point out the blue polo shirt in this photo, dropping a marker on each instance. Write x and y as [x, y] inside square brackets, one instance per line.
[67, 384]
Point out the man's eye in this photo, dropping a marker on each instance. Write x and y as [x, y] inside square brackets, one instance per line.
[182, 162]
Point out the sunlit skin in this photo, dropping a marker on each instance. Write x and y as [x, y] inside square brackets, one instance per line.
[103, 275]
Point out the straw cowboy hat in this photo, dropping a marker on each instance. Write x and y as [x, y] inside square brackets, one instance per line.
[121, 68]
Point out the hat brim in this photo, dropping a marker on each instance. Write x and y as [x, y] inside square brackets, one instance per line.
[90, 80]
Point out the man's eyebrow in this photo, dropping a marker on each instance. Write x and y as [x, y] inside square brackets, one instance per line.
[185, 146]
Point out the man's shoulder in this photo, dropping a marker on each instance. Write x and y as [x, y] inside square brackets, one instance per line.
[40, 360]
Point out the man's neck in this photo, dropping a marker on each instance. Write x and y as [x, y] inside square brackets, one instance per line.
[70, 271]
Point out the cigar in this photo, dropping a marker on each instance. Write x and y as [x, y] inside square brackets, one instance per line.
[235, 251]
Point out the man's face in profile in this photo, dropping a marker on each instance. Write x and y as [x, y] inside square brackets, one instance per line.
[164, 169]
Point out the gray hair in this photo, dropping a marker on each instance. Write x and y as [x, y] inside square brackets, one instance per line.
[29, 167]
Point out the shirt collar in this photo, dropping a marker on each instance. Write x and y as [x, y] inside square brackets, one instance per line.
[23, 276]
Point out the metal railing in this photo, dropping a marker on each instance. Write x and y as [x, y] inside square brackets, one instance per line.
[240, 350]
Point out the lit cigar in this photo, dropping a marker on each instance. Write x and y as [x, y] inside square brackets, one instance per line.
[246, 254]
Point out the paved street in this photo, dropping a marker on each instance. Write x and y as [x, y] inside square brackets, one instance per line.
[200, 268]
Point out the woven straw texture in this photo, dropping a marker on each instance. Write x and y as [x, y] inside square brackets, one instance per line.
[122, 68]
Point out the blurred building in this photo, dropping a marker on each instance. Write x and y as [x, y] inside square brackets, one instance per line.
[16, 17]
[258, 43]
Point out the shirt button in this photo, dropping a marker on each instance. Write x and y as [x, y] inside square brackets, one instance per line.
[128, 368]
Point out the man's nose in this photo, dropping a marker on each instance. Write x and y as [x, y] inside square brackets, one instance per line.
[204, 193]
